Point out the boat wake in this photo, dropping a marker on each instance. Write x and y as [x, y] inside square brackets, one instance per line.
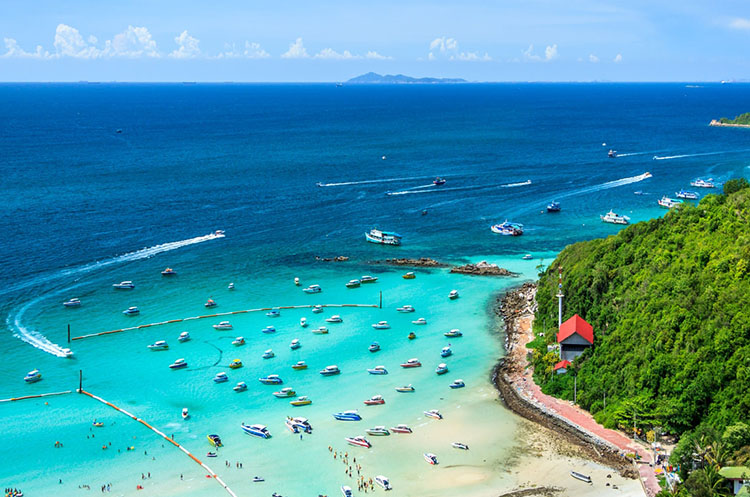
[32, 337]
[629, 154]
[373, 181]
[670, 157]
[606, 186]
[412, 191]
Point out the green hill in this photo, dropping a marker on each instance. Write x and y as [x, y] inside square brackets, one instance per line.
[741, 119]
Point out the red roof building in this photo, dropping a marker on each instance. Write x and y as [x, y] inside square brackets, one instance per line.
[562, 367]
[575, 336]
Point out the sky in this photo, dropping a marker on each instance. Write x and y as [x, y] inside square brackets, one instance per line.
[323, 41]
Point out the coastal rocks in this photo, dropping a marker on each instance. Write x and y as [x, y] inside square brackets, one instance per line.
[421, 262]
[338, 258]
[482, 268]
[715, 122]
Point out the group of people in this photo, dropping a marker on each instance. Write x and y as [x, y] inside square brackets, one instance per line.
[363, 485]
[13, 492]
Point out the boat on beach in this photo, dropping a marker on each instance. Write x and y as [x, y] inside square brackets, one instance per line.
[401, 429]
[330, 371]
[405, 389]
[580, 476]
[383, 237]
[268, 354]
[74, 302]
[459, 445]
[131, 311]
[430, 458]
[184, 337]
[613, 218]
[124, 285]
[260, 431]
[381, 325]
[299, 365]
[368, 279]
[454, 333]
[457, 384]
[411, 363]
[359, 442]
[159, 345]
[433, 413]
[214, 440]
[301, 401]
[384, 482]
[178, 364]
[223, 325]
[378, 431]
[375, 400]
[378, 370]
[374, 347]
[312, 289]
[419, 321]
[347, 416]
[271, 379]
[32, 376]
[508, 228]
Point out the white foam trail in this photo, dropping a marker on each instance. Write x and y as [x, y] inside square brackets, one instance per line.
[459, 188]
[636, 153]
[32, 337]
[669, 157]
[372, 181]
[606, 186]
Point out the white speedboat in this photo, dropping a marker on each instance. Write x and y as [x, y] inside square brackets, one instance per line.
[405, 389]
[453, 295]
[430, 458]
[330, 371]
[210, 303]
[378, 370]
[613, 218]
[178, 364]
[405, 308]
[312, 289]
[124, 285]
[295, 344]
[297, 425]
[384, 482]
[224, 325]
[32, 376]
[74, 302]
[184, 337]
[240, 387]
[238, 341]
[668, 203]
[441, 369]
[334, 319]
[268, 354]
[221, 377]
[700, 183]
[454, 333]
[688, 195]
[433, 413]
[320, 330]
[401, 429]
[374, 347]
[271, 379]
[353, 284]
[457, 384]
[347, 416]
[411, 363]
[230, 286]
[296, 281]
[131, 311]
[260, 431]
[274, 313]
[68, 353]
[527, 257]
[378, 431]
[358, 441]
[284, 393]
[346, 491]
[300, 365]
[159, 345]
[303, 322]
[419, 321]
[381, 325]
[185, 413]
[317, 308]
[268, 330]
[446, 352]
[368, 279]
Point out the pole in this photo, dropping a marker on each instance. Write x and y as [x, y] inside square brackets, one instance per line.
[575, 389]
[80, 381]
[605, 399]
[68, 332]
[381, 299]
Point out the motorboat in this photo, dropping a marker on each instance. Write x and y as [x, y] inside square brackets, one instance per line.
[297, 425]
[384, 482]
[405, 389]
[235, 364]
[455, 332]
[330, 371]
[360, 442]
[700, 183]
[419, 321]
[668, 203]
[409, 276]
[256, 430]
[378, 370]
[257, 479]
[221, 378]
[240, 387]
[274, 313]
[688, 195]
[401, 429]
[612, 154]
[131, 311]
[378, 431]
[211, 454]
[124, 285]
[214, 440]
[438, 181]
[68, 353]
[411, 335]
[613, 218]
[374, 347]
[178, 364]
[159, 345]
[184, 337]
[453, 295]
[441, 369]
[405, 308]
[459, 445]
[334, 319]
[224, 325]
[285, 393]
[553, 207]
[185, 413]
[368, 279]
[346, 490]
[32, 376]
[238, 341]
[312, 289]
[580, 476]
[74, 302]
[412, 363]
[271, 379]
[210, 303]
[169, 272]
[430, 458]
[508, 228]
[300, 365]
[457, 384]
[347, 416]
[383, 237]
[295, 344]
[301, 401]
[381, 325]
[268, 354]
[433, 413]
[303, 322]
[353, 284]
[230, 286]
[446, 352]
[320, 330]
[317, 308]
[296, 281]
[268, 330]
[375, 400]
[527, 257]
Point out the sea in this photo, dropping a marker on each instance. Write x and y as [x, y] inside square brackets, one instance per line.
[103, 183]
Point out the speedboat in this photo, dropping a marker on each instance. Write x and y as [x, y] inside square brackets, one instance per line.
[553, 206]
[405, 308]
[214, 440]
[687, 195]
[221, 378]
[317, 308]
[508, 228]
[235, 364]
[401, 429]
[699, 183]
[178, 364]
[124, 285]
[296, 425]
[271, 379]
[612, 154]
[312, 289]
[347, 416]
[303, 322]
[300, 365]
[580, 476]
[412, 363]
[375, 400]
[334, 319]
[446, 351]
[378, 431]
[457, 384]
[368, 279]
[430, 458]
[169, 272]
[433, 413]
[98, 424]
[614, 218]
[384, 482]
[358, 441]
[131, 311]
[185, 413]
[441, 369]
[284, 393]
[238, 341]
[320, 330]
[296, 281]
[295, 344]
[346, 490]
[459, 445]
[274, 313]
[438, 181]
[230, 286]
[378, 370]
[353, 284]
[411, 335]
[419, 321]
[374, 347]
[256, 430]
[240, 387]
[211, 454]
[668, 203]
[381, 325]
[409, 276]
[453, 295]
[527, 257]
[224, 325]
[210, 303]
[405, 389]
[257, 479]
[68, 353]
[383, 237]
[455, 332]
[330, 371]
[74, 302]
[184, 337]
[159, 345]
[301, 401]
[32, 376]
[268, 354]
[268, 330]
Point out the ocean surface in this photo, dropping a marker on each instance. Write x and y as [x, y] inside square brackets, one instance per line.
[85, 206]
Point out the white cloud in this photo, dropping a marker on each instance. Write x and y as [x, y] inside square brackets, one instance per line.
[296, 51]
[188, 46]
[617, 59]
[593, 59]
[329, 53]
[372, 54]
[740, 23]
[133, 42]
[549, 53]
[251, 50]
[447, 48]
[14, 50]
[444, 44]
[70, 43]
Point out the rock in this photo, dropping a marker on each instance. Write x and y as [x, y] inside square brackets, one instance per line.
[482, 268]
[338, 258]
[421, 262]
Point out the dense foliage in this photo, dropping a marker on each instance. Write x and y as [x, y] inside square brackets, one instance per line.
[669, 300]
[741, 119]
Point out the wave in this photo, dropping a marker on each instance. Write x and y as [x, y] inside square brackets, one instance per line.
[373, 181]
[412, 191]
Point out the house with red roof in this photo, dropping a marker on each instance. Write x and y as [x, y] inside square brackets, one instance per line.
[575, 336]
[562, 367]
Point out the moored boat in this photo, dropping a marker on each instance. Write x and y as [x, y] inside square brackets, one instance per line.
[68, 353]
[124, 285]
[210, 303]
[688, 195]
[613, 218]
[317, 308]
[430, 458]
[347, 416]
[268, 330]
[230, 286]
[334, 319]
[457, 384]
[298, 424]
[358, 441]
[223, 325]
[274, 313]
[384, 482]
[131, 311]
[295, 344]
[375, 400]
[433, 413]
[405, 389]
[169, 272]
[411, 363]
[374, 347]
[303, 322]
[240, 387]
[353, 284]
[185, 413]
[268, 354]
[184, 337]
[159, 345]
[178, 364]
[381, 325]
[527, 257]
[238, 341]
[409, 276]
[260, 431]
[299, 365]
[74, 302]
[320, 330]
[330, 371]
[235, 364]
[368, 279]
[401, 429]
[301, 401]
[284, 393]
[405, 308]
[454, 333]
[700, 183]
[668, 203]
[411, 335]
[553, 207]
[446, 351]
[221, 377]
[383, 237]
[312, 289]
[378, 431]
[296, 281]
[32, 376]
[271, 379]
[419, 321]
[214, 440]
[441, 369]
[508, 228]
[453, 295]
[378, 370]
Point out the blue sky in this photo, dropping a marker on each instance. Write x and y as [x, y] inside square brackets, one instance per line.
[249, 40]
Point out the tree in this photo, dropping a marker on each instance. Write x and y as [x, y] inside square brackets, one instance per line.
[735, 185]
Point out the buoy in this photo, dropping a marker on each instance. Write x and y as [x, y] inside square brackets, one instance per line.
[104, 447]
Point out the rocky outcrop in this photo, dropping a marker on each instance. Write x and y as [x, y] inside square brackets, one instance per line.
[338, 258]
[482, 268]
[421, 262]
[714, 122]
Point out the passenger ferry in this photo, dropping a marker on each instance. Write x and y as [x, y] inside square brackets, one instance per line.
[374, 347]
[358, 441]
[430, 458]
[320, 330]
[221, 378]
[353, 284]
[412, 363]
[433, 413]
[210, 303]
[224, 325]
[508, 228]
[454, 333]
[169, 272]
[368, 279]
[178, 364]
[699, 183]
[401, 429]
[405, 308]
[668, 203]
[378, 370]
[215, 440]
[159, 345]
[688, 195]
[457, 384]
[301, 401]
[375, 400]
[330, 371]
[419, 321]
[312, 289]
[240, 387]
[271, 379]
[453, 295]
[295, 344]
[614, 218]
[405, 389]
[235, 364]
[125, 285]
[381, 325]
[384, 482]
[256, 430]
[74, 302]
[284, 393]
[378, 431]
[441, 369]
[32, 376]
[184, 337]
[299, 366]
[268, 354]
[347, 416]
[334, 319]
[131, 311]
[383, 237]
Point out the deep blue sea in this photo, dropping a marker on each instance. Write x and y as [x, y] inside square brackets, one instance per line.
[110, 182]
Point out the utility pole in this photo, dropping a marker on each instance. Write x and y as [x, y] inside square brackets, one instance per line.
[381, 299]
[559, 298]
[80, 380]
[575, 389]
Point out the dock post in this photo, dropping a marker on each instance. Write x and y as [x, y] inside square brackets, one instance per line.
[68, 332]
[80, 380]
[381, 299]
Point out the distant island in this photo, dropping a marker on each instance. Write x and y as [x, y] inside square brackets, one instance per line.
[372, 78]
[742, 121]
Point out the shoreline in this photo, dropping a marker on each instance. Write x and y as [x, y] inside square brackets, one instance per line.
[715, 122]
